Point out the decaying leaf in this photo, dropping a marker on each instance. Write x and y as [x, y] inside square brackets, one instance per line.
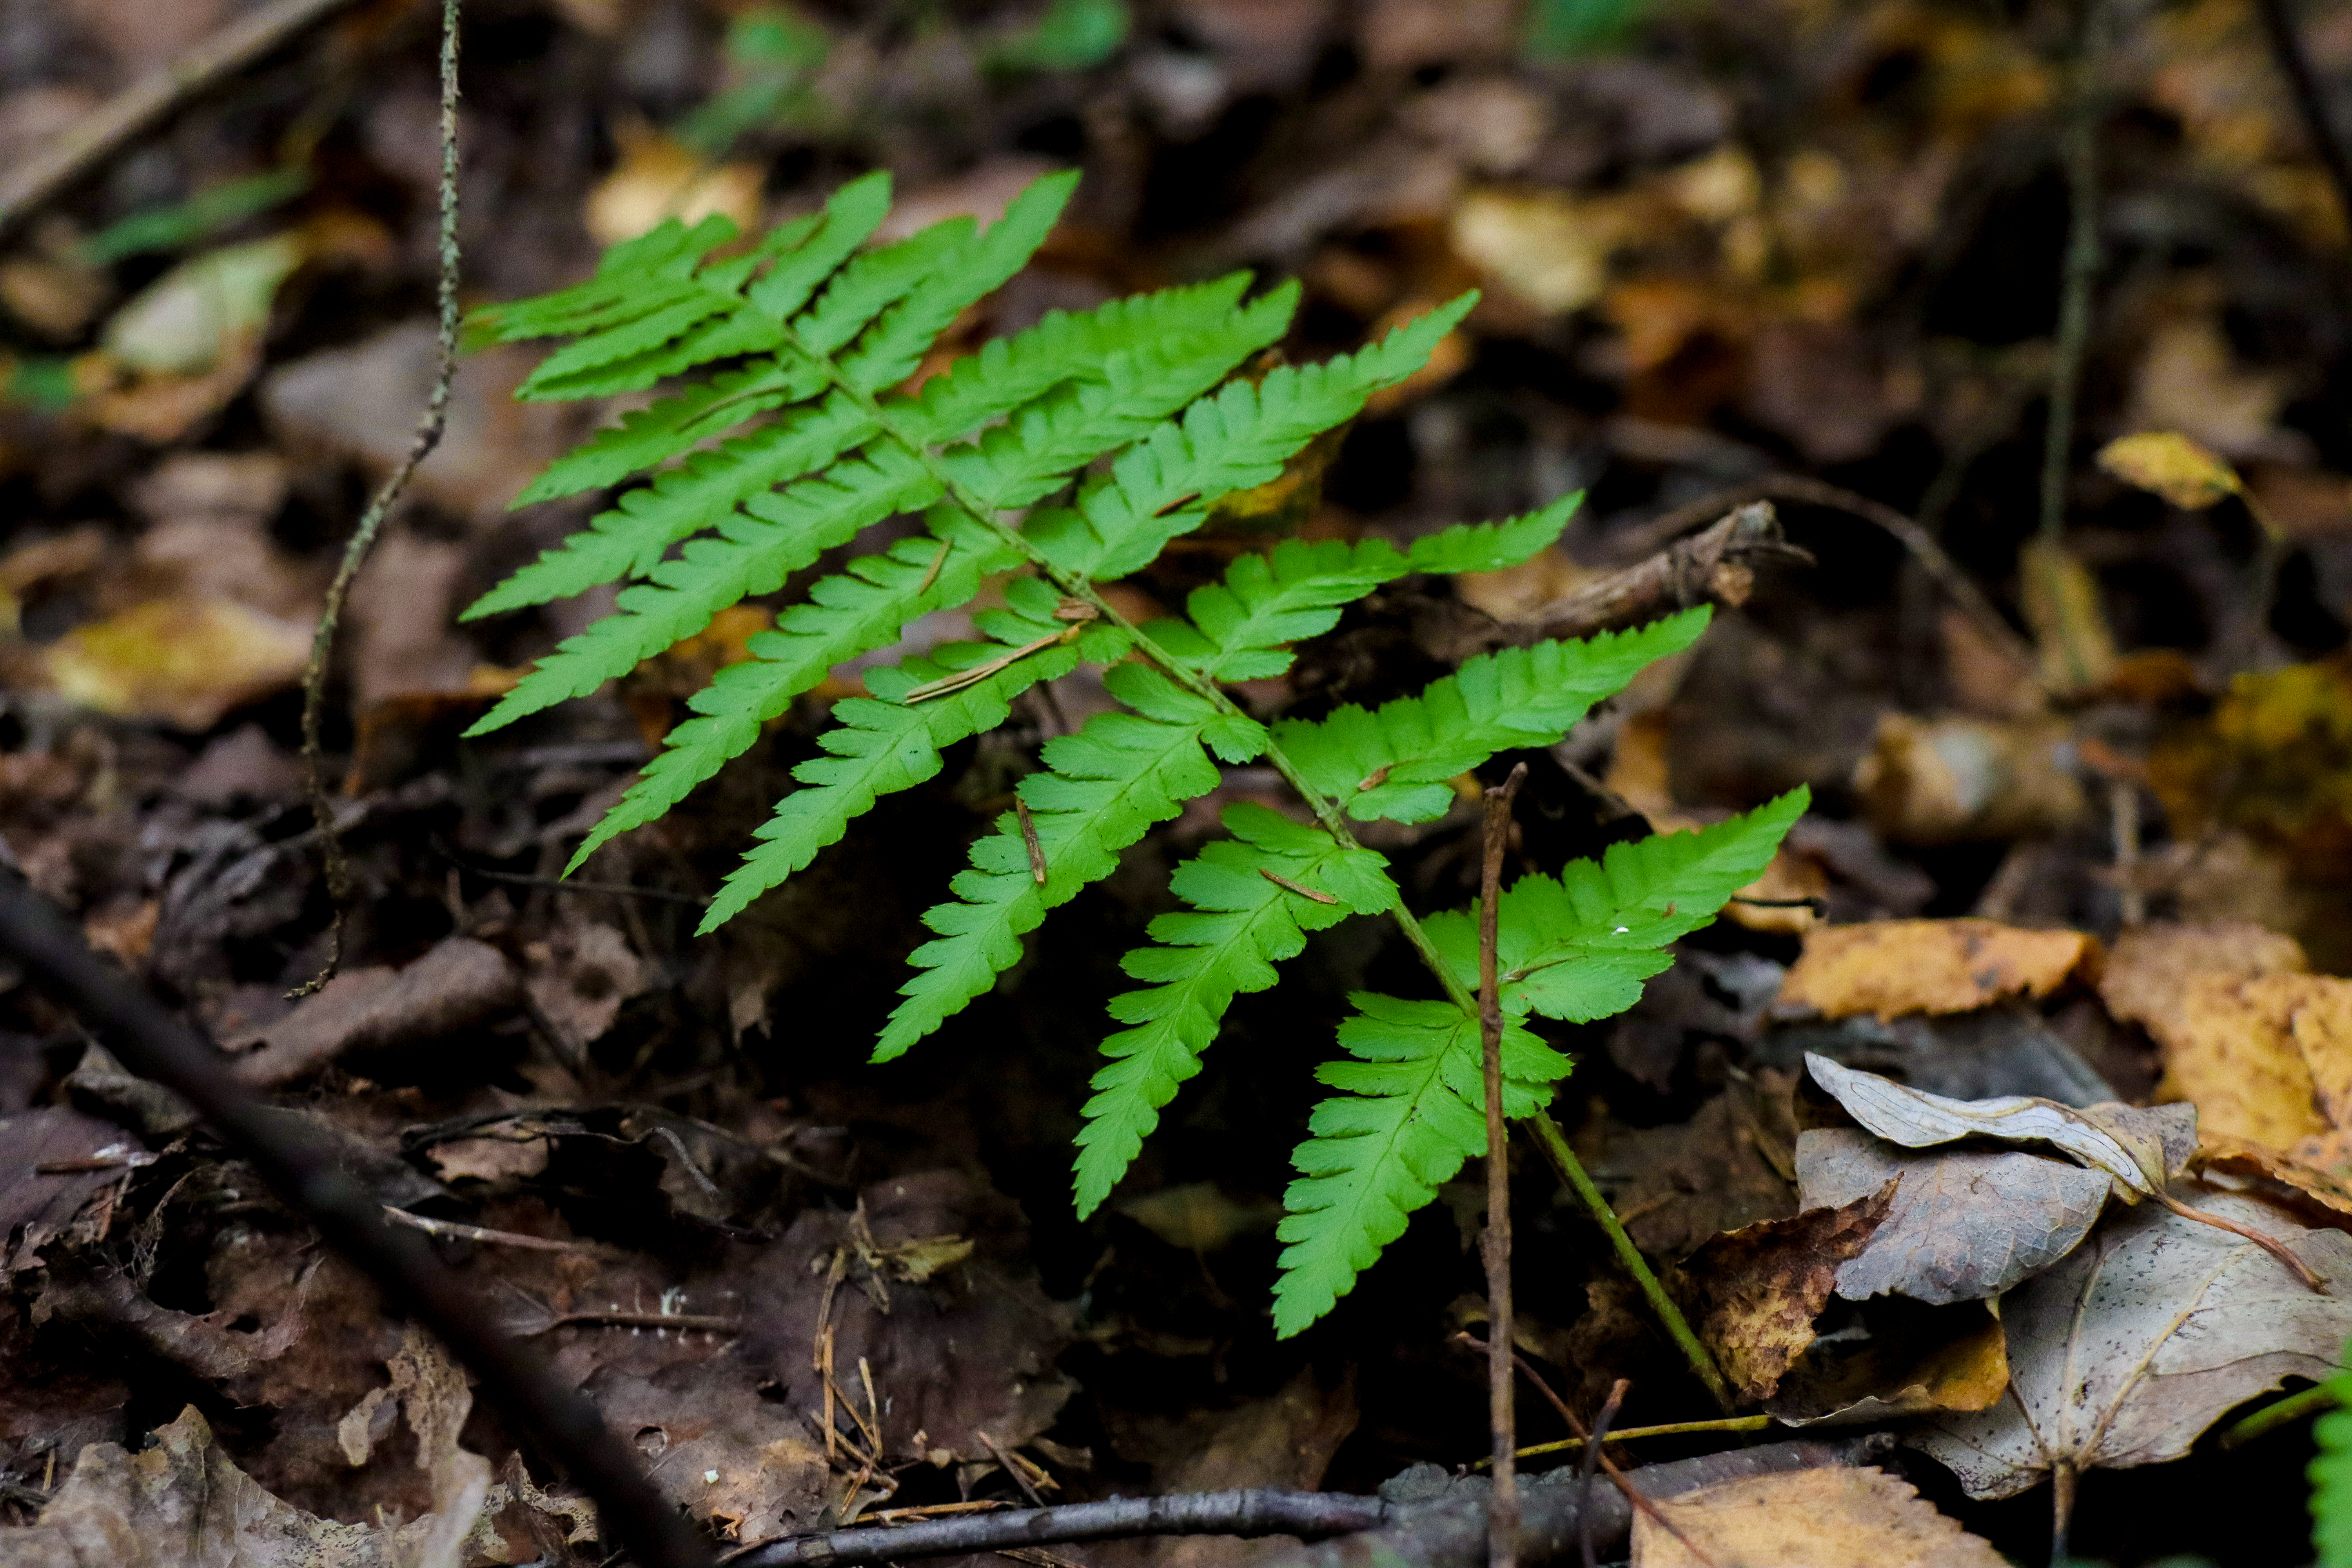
[2268, 1060]
[1966, 1223]
[184, 661]
[2073, 645]
[2139, 1151]
[656, 178]
[461, 982]
[2147, 972]
[2131, 1346]
[184, 1503]
[1836, 1518]
[2172, 466]
[1753, 1293]
[2223, 1155]
[1892, 967]
[1198, 1216]
[1942, 781]
[1894, 1357]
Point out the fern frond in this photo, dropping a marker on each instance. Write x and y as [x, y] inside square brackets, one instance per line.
[1253, 901]
[633, 280]
[2330, 1474]
[1394, 761]
[1161, 487]
[1492, 546]
[1577, 947]
[883, 744]
[757, 549]
[647, 437]
[1103, 789]
[1411, 1112]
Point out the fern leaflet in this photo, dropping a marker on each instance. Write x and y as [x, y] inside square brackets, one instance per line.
[2330, 1475]
[1394, 762]
[1256, 898]
[1411, 1112]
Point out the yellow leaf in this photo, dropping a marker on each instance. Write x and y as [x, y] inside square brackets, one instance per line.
[1893, 967]
[2171, 465]
[1809, 1519]
[184, 661]
[656, 178]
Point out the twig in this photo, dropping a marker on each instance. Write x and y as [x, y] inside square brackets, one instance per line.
[1028, 1488]
[558, 885]
[311, 1180]
[1571, 1171]
[98, 135]
[1503, 1507]
[1446, 1531]
[490, 1237]
[1590, 1462]
[1314, 1516]
[2286, 50]
[1713, 567]
[2271, 1417]
[1805, 491]
[1670, 1429]
[1617, 1477]
[2080, 154]
[355, 553]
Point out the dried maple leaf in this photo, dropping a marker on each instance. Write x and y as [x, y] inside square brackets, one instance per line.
[1833, 1517]
[2126, 1351]
[1892, 967]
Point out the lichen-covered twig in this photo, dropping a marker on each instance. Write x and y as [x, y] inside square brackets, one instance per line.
[1494, 1247]
[355, 553]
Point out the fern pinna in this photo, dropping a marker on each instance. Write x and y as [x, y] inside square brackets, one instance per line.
[1060, 458]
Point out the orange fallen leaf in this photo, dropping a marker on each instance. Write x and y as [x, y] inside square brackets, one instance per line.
[2266, 1059]
[1893, 967]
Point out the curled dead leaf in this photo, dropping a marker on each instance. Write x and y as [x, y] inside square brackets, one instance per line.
[1753, 1293]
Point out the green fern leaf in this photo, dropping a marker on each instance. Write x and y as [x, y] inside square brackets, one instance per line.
[1243, 922]
[1394, 762]
[883, 744]
[1492, 546]
[851, 215]
[1161, 487]
[2330, 1475]
[1582, 943]
[755, 552]
[630, 283]
[647, 437]
[1411, 1112]
[1102, 790]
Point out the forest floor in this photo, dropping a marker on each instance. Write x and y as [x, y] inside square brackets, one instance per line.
[2080, 755]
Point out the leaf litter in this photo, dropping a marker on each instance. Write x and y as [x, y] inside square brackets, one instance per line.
[678, 1126]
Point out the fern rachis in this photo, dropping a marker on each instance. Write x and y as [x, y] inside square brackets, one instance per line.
[1068, 455]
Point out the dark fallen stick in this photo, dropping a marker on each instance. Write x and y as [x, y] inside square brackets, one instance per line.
[1264, 1512]
[1716, 567]
[306, 1174]
[1432, 1520]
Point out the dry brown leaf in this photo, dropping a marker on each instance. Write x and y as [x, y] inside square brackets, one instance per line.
[459, 982]
[2139, 1151]
[182, 661]
[184, 1503]
[2147, 974]
[1893, 967]
[1909, 1359]
[2134, 1344]
[1941, 781]
[1198, 1216]
[1965, 1225]
[1545, 249]
[2229, 1156]
[580, 977]
[1753, 1294]
[658, 179]
[2267, 1059]
[1833, 1517]
[2172, 466]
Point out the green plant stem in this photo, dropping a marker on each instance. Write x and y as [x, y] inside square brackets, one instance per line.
[1624, 1434]
[1571, 1171]
[1328, 814]
[2271, 1417]
[2079, 153]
